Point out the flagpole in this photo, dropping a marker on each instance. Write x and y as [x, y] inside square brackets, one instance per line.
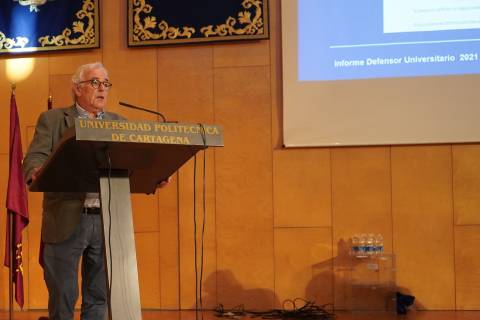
[12, 253]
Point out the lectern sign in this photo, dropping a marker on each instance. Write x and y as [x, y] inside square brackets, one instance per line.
[149, 151]
[148, 132]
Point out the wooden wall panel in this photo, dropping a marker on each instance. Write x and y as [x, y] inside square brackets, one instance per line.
[148, 269]
[168, 250]
[276, 73]
[32, 93]
[185, 83]
[466, 184]
[185, 86]
[186, 229]
[303, 265]
[60, 90]
[361, 203]
[423, 224]
[244, 187]
[302, 188]
[242, 54]
[28, 100]
[5, 122]
[5, 90]
[68, 62]
[145, 212]
[3, 221]
[361, 192]
[467, 267]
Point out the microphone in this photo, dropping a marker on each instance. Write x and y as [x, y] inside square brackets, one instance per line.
[143, 109]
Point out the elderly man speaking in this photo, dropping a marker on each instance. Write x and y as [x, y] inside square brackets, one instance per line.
[71, 221]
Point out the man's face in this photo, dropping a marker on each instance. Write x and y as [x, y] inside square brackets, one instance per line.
[91, 99]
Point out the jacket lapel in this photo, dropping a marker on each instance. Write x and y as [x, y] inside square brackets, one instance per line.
[70, 115]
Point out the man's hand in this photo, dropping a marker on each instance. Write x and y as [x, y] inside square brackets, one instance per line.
[164, 183]
[35, 174]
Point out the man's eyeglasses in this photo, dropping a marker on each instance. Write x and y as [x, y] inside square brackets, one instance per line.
[95, 83]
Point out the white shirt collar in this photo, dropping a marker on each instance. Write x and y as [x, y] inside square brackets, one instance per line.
[82, 113]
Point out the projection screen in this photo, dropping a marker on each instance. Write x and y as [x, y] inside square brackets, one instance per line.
[380, 72]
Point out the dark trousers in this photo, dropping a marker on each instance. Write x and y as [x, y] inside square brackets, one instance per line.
[61, 261]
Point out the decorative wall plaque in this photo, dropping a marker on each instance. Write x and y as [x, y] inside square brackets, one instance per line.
[45, 25]
[158, 22]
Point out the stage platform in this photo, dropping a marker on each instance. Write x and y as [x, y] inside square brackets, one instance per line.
[340, 315]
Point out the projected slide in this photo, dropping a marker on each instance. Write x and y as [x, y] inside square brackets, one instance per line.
[430, 15]
[342, 39]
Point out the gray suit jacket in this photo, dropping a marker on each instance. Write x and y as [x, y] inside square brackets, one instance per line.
[61, 210]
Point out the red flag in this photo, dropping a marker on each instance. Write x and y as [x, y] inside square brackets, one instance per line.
[16, 204]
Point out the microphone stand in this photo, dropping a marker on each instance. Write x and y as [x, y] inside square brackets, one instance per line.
[143, 109]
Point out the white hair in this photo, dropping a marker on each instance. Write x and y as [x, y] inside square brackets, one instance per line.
[77, 77]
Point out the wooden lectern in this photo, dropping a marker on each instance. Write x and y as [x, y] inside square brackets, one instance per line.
[115, 158]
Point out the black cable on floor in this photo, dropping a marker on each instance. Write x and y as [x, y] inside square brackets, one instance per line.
[307, 310]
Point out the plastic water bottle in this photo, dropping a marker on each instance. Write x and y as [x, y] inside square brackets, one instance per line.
[370, 248]
[379, 244]
[362, 246]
